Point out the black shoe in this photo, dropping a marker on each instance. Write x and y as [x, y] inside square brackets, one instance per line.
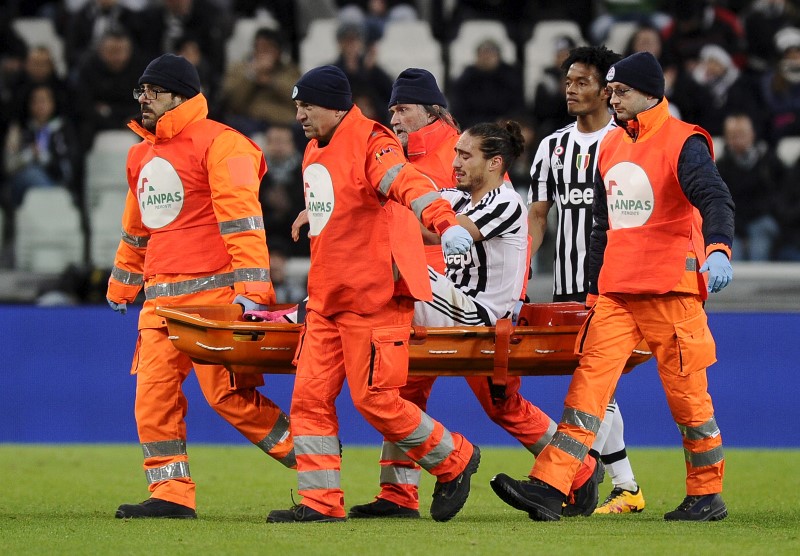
[450, 497]
[540, 500]
[699, 508]
[154, 507]
[301, 513]
[585, 497]
[381, 508]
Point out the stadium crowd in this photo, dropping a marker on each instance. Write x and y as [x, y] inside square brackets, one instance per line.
[732, 67]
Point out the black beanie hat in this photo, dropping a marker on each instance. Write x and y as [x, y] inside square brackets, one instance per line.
[174, 73]
[416, 86]
[325, 86]
[640, 71]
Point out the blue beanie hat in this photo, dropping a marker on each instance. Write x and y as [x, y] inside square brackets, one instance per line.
[416, 86]
[640, 71]
[325, 86]
[174, 73]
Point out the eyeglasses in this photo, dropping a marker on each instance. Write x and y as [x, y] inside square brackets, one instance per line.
[621, 93]
[149, 94]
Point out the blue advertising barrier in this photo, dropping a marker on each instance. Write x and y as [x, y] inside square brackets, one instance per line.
[65, 378]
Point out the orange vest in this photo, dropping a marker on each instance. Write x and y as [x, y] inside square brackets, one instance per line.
[431, 150]
[652, 225]
[356, 232]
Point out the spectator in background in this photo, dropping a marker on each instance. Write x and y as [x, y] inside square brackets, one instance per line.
[753, 173]
[730, 91]
[188, 46]
[281, 192]
[780, 88]
[39, 69]
[102, 86]
[255, 90]
[84, 28]
[610, 12]
[165, 22]
[288, 289]
[488, 89]
[357, 59]
[41, 149]
[762, 19]
[787, 209]
[549, 101]
[286, 12]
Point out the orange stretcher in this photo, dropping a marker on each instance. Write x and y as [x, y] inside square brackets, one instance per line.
[542, 343]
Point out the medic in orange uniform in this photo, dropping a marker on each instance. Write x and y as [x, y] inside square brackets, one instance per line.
[367, 268]
[192, 233]
[657, 188]
[429, 135]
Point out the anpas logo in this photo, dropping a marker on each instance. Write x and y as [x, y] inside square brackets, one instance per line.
[160, 193]
[318, 190]
[629, 195]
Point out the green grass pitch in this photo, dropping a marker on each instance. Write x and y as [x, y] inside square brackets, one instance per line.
[58, 499]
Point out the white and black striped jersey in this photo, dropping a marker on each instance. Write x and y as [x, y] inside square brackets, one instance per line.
[492, 272]
[563, 172]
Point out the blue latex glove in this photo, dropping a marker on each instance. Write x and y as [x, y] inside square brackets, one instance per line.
[249, 304]
[120, 308]
[456, 240]
[720, 272]
[515, 312]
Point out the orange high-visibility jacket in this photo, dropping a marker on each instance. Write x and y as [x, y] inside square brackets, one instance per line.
[648, 212]
[192, 211]
[357, 189]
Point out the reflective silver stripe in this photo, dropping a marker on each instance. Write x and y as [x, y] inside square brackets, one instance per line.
[704, 459]
[126, 277]
[581, 419]
[312, 480]
[251, 275]
[174, 470]
[317, 446]
[709, 429]
[279, 433]
[289, 460]
[242, 225]
[440, 453]
[395, 475]
[388, 178]
[691, 264]
[164, 448]
[135, 241]
[390, 452]
[421, 203]
[537, 448]
[170, 289]
[419, 435]
[566, 443]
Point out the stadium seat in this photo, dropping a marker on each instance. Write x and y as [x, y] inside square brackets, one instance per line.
[105, 163]
[407, 44]
[719, 145]
[40, 31]
[48, 236]
[788, 150]
[319, 46]
[619, 35]
[240, 44]
[470, 34]
[540, 50]
[105, 222]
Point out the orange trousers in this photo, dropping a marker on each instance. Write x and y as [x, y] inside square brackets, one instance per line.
[161, 407]
[676, 329]
[371, 352]
[520, 418]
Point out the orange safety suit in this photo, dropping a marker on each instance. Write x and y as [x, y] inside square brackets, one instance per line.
[431, 150]
[367, 268]
[192, 233]
[649, 288]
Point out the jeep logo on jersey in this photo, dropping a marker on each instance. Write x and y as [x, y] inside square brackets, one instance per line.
[629, 195]
[577, 195]
[318, 191]
[160, 193]
[458, 261]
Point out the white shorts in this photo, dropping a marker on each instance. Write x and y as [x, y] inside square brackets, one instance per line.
[450, 306]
